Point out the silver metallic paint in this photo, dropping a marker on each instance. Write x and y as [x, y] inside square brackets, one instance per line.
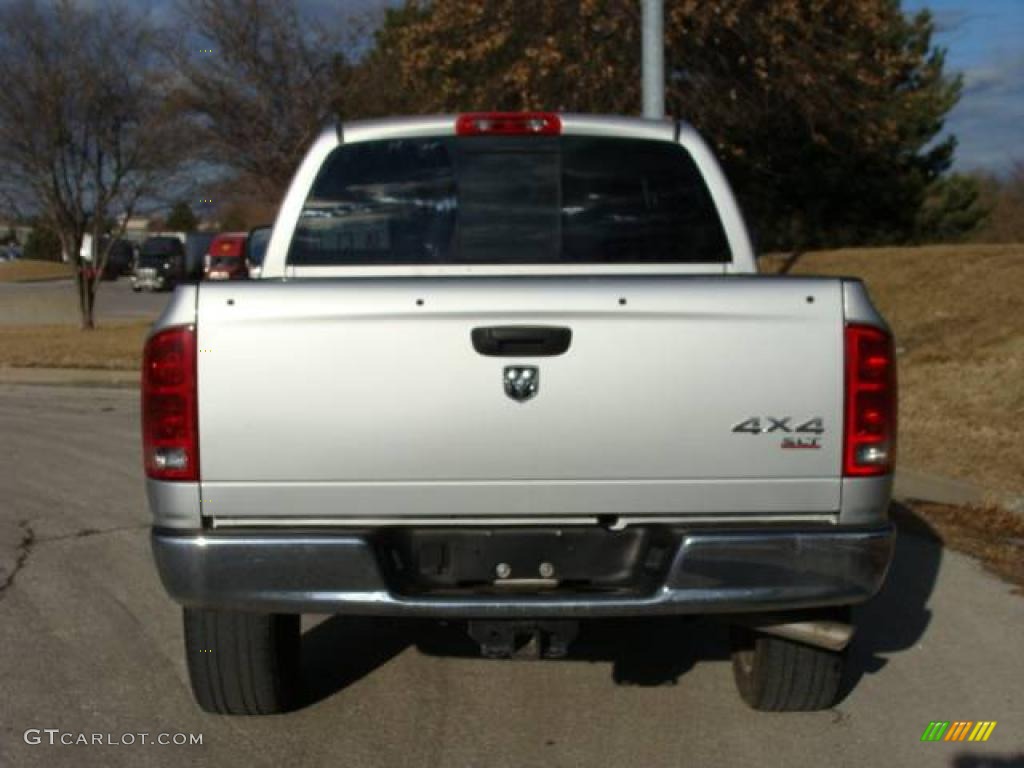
[381, 406]
[174, 505]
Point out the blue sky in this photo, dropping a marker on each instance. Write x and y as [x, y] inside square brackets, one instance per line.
[985, 41]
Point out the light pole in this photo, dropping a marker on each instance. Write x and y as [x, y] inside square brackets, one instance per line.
[653, 60]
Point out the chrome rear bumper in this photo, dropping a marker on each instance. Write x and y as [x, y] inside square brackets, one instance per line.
[714, 571]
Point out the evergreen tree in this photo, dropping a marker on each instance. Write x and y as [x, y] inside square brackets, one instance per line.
[182, 219]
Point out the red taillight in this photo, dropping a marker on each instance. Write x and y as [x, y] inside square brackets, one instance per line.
[870, 424]
[170, 418]
[508, 124]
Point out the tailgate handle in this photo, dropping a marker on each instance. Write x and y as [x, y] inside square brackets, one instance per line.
[521, 340]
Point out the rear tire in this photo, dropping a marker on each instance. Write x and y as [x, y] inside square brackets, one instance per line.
[243, 663]
[777, 675]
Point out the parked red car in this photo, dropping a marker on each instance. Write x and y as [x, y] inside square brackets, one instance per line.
[226, 258]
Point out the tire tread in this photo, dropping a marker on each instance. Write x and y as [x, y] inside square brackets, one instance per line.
[242, 663]
[786, 676]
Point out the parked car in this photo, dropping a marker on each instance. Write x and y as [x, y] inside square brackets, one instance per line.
[160, 265]
[197, 245]
[120, 260]
[522, 374]
[226, 258]
[256, 249]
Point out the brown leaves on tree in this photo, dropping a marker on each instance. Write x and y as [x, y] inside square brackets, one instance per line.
[795, 95]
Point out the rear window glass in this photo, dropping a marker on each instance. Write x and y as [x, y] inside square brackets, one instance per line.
[162, 246]
[508, 200]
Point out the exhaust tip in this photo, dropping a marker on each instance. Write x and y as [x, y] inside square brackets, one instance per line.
[827, 634]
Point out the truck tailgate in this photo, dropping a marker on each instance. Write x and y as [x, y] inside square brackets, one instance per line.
[365, 398]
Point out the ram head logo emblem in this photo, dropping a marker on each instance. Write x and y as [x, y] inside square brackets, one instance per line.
[521, 381]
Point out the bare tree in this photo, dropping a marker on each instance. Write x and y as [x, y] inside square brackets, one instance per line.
[260, 79]
[85, 133]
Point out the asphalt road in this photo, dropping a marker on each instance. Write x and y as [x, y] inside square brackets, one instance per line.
[90, 644]
[55, 302]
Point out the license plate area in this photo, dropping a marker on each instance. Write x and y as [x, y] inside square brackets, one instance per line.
[531, 560]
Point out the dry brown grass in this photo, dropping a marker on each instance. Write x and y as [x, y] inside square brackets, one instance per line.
[958, 315]
[112, 346]
[994, 536]
[22, 271]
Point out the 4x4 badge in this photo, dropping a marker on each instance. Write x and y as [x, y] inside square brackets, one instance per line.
[521, 381]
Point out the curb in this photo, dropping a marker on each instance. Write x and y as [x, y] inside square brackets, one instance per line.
[35, 280]
[911, 485]
[69, 377]
[921, 486]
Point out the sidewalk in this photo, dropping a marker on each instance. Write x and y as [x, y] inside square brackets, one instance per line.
[922, 486]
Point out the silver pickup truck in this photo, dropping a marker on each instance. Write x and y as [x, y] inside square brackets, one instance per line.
[517, 371]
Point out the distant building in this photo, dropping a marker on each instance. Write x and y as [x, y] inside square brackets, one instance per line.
[137, 228]
[21, 232]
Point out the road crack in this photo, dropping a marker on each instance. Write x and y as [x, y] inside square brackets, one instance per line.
[88, 532]
[23, 550]
[29, 541]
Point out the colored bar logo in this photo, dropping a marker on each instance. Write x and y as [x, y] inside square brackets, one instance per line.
[958, 730]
